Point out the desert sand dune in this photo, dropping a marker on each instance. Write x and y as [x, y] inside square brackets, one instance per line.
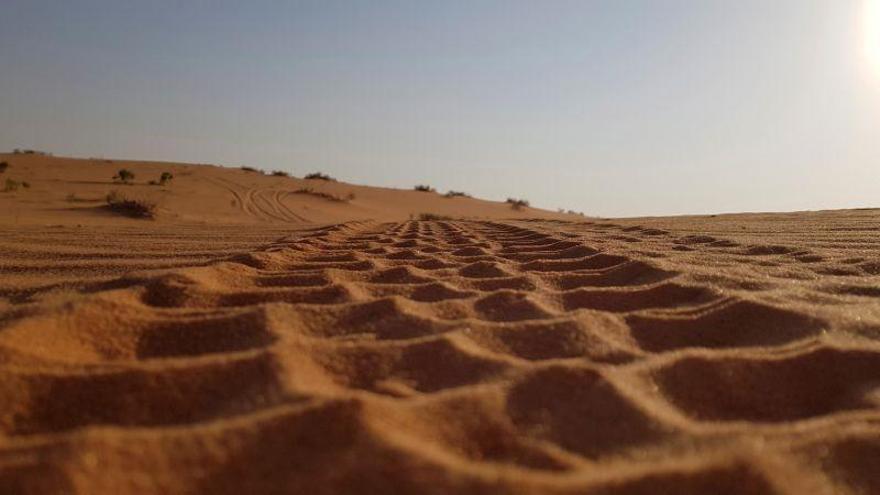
[290, 344]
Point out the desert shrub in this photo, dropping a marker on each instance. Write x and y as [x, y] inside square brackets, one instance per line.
[318, 176]
[3, 167]
[457, 194]
[518, 204]
[423, 188]
[137, 208]
[319, 194]
[165, 178]
[153, 183]
[250, 169]
[280, 173]
[432, 216]
[124, 175]
[25, 184]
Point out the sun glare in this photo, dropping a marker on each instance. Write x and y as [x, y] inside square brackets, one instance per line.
[872, 34]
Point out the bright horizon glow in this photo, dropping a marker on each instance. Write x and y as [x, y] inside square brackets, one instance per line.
[872, 35]
[610, 107]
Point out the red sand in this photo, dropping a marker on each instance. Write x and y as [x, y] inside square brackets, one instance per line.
[254, 340]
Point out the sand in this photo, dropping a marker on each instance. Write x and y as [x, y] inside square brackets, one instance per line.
[254, 340]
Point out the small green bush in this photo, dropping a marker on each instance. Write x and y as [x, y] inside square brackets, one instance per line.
[165, 178]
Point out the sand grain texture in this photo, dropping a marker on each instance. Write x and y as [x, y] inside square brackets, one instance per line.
[347, 349]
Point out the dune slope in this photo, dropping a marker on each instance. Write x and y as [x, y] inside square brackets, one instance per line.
[732, 354]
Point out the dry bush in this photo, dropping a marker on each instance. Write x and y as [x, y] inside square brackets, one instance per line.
[319, 176]
[424, 188]
[457, 194]
[280, 173]
[518, 204]
[3, 167]
[432, 216]
[319, 194]
[251, 169]
[131, 207]
[124, 175]
[164, 179]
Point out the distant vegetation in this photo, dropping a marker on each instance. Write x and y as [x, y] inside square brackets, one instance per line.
[14, 185]
[124, 175]
[17, 151]
[424, 188]
[319, 176]
[136, 208]
[164, 179]
[280, 173]
[324, 195]
[3, 167]
[432, 216]
[251, 169]
[518, 204]
[457, 194]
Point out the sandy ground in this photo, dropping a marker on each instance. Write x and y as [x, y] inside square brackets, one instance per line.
[255, 340]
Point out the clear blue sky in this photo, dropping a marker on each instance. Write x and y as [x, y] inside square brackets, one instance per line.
[615, 107]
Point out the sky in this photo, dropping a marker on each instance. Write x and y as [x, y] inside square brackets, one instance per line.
[613, 108]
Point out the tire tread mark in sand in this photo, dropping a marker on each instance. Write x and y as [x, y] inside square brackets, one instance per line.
[377, 326]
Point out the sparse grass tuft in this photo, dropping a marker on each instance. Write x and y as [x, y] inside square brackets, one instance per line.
[11, 185]
[319, 176]
[518, 204]
[136, 208]
[165, 178]
[457, 194]
[424, 188]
